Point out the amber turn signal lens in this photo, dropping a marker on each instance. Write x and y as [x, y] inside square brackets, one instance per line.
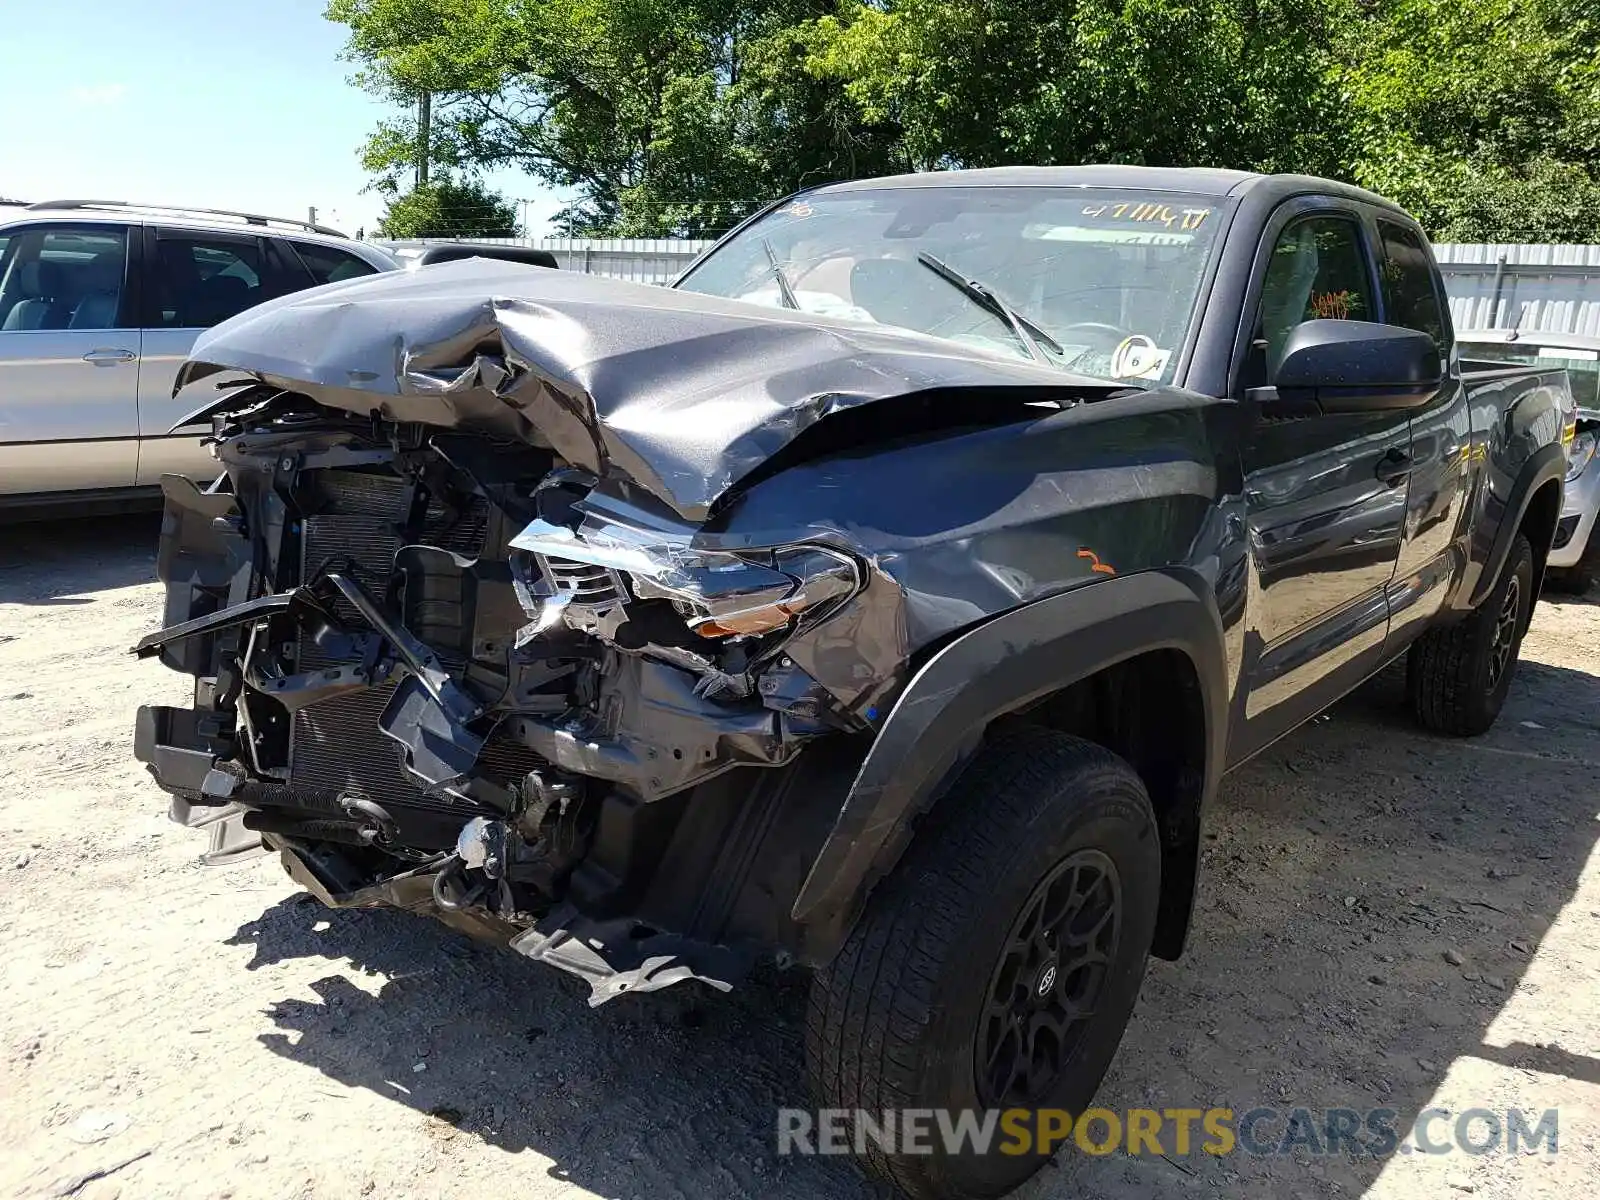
[758, 620]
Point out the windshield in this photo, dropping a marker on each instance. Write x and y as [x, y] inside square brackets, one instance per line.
[1098, 281]
[1582, 366]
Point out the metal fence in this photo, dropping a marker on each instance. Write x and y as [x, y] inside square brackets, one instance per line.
[1548, 289]
[1552, 289]
[643, 260]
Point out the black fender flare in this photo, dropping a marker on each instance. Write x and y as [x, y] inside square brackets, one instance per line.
[993, 669]
[1545, 465]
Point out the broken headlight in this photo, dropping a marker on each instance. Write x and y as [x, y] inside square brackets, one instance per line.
[603, 564]
[1580, 453]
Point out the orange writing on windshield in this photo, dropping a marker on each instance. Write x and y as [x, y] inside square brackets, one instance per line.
[1332, 306]
[1145, 212]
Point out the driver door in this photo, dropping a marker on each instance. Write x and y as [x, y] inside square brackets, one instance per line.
[1325, 495]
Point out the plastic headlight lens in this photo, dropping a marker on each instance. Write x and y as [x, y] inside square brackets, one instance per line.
[746, 601]
[719, 595]
[1580, 453]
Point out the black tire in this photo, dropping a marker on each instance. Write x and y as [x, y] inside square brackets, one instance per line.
[1580, 578]
[1574, 581]
[1457, 676]
[897, 1020]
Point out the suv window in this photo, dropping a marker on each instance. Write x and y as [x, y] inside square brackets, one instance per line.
[200, 279]
[1409, 297]
[328, 265]
[63, 277]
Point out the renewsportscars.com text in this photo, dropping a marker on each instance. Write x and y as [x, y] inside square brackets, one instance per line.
[1375, 1132]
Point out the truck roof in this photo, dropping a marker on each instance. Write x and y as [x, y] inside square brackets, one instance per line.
[1204, 181]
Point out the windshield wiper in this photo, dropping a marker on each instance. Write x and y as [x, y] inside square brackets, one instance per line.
[785, 292]
[1025, 331]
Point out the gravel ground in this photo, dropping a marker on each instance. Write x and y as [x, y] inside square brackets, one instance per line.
[1388, 920]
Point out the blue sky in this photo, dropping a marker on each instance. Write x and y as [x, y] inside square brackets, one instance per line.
[240, 104]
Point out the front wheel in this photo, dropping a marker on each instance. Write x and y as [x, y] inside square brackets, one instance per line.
[997, 965]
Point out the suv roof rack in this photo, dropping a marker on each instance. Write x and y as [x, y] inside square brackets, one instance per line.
[184, 210]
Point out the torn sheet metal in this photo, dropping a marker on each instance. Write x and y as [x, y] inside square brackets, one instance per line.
[621, 955]
[602, 371]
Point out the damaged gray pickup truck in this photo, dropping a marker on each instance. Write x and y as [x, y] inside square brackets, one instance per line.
[887, 597]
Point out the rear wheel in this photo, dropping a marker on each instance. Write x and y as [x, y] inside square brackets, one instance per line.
[997, 965]
[1457, 676]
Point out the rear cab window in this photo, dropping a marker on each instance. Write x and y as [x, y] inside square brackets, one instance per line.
[1410, 293]
[64, 276]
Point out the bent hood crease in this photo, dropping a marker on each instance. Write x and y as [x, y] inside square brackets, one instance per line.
[684, 394]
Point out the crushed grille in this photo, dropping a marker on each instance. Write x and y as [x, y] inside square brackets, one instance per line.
[587, 585]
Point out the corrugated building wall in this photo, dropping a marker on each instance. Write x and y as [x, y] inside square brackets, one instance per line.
[1551, 289]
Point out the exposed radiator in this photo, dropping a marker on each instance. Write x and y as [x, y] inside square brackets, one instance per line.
[336, 745]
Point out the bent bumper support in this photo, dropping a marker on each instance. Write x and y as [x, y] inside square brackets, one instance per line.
[231, 842]
[622, 955]
[428, 715]
[279, 603]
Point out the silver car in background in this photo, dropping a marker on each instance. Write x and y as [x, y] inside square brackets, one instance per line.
[1575, 554]
[100, 302]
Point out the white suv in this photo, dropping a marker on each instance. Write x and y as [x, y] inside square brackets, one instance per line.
[1574, 560]
[99, 305]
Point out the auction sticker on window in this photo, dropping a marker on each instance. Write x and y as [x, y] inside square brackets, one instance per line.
[1138, 357]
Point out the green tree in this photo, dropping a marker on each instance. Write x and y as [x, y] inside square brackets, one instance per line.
[1483, 119]
[447, 208]
[1175, 82]
[680, 116]
[662, 116]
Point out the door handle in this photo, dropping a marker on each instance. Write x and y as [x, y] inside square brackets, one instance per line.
[1393, 467]
[109, 358]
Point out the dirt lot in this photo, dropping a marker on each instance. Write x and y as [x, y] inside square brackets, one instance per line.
[1389, 920]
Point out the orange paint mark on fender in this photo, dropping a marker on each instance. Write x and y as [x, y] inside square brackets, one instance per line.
[1095, 565]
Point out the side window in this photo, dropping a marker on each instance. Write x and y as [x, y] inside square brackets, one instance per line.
[201, 279]
[1409, 297]
[8, 243]
[1318, 270]
[329, 265]
[285, 272]
[63, 277]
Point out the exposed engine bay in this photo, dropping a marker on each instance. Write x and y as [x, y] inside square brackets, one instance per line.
[568, 610]
[434, 667]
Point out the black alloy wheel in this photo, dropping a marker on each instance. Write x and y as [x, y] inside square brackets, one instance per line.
[1045, 987]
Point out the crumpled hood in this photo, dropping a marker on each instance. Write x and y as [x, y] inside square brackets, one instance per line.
[683, 394]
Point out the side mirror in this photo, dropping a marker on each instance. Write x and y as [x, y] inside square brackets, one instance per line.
[1351, 367]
